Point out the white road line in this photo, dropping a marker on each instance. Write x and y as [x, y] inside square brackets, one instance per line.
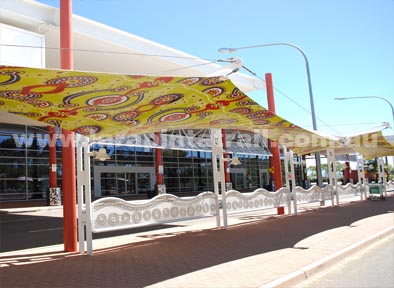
[42, 230]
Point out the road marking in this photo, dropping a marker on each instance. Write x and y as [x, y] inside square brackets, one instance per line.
[42, 230]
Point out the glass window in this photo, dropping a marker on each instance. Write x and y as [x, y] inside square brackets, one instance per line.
[125, 154]
[143, 183]
[108, 184]
[187, 184]
[13, 169]
[12, 189]
[8, 142]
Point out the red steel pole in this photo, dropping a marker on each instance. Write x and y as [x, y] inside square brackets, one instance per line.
[66, 55]
[347, 173]
[273, 146]
[68, 150]
[52, 157]
[227, 178]
[158, 162]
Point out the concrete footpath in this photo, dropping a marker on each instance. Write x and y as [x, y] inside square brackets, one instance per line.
[257, 250]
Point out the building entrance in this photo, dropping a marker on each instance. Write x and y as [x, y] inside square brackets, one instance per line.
[121, 181]
[238, 178]
[265, 179]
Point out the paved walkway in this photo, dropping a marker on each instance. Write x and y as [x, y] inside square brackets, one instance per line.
[258, 249]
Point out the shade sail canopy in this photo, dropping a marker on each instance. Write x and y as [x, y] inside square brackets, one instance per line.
[371, 145]
[116, 105]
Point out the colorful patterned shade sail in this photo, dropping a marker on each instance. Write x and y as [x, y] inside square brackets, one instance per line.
[371, 145]
[117, 105]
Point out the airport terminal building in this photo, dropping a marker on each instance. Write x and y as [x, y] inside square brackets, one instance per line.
[32, 40]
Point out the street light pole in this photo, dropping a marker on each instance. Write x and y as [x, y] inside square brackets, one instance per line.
[377, 97]
[314, 125]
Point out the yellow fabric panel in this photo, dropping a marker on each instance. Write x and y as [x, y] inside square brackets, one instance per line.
[371, 145]
[116, 105]
[108, 105]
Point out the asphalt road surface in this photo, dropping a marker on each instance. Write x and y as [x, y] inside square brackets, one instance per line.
[30, 230]
[43, 228]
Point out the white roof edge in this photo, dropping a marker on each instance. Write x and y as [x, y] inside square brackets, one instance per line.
[44, 15]
[33, 11]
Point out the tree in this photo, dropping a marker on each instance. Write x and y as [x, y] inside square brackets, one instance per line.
[311, 172]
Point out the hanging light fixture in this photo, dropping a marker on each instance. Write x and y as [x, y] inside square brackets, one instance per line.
[101, 154]
[235, 160]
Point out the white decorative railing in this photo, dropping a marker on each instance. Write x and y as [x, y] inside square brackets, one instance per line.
[302, 196]
[258, 199]
[313, 194]
[327, 193]
[349, 190]
[111, 213]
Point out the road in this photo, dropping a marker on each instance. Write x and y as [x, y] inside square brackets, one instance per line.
[373, 267]
[246, 255]
[43, 228]
[29, 230]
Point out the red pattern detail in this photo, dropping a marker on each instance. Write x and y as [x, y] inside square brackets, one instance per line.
[57, 89]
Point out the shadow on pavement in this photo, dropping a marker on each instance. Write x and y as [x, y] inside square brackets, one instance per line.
[153, 261]
[19, 231]
[26, 231]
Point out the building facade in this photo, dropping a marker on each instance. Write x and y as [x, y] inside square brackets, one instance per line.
[130, 173]
[31, 41]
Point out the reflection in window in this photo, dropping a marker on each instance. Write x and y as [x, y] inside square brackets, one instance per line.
[23, 162]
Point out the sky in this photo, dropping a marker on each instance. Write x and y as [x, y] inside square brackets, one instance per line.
[349, 45]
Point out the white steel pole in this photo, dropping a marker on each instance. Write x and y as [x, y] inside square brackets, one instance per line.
[88, 198]
[332, 172]
[290, 175]
[382, 176]
[80, 189]
[218, 173]
[361, 175]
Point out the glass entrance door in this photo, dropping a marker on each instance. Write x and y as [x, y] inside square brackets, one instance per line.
[265, 179]
[143, 183]
[238, 178]
[126, 183]
[239, 181]
[120, 183]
